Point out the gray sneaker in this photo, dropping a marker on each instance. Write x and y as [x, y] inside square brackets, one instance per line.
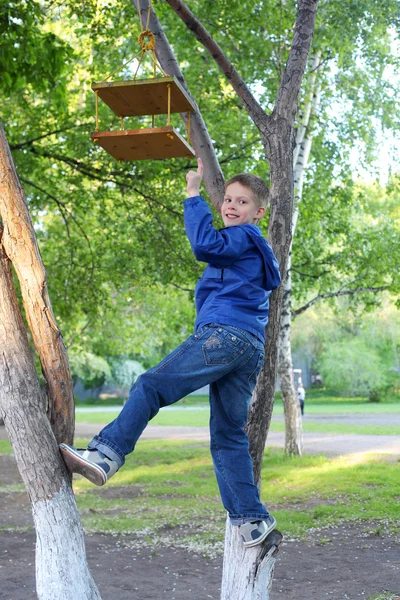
[92, 464]
[254, 533]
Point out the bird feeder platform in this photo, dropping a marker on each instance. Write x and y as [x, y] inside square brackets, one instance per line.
[144, 96]
[139, 97]
[143, 144]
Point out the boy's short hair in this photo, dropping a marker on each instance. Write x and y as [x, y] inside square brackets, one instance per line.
[256, 184]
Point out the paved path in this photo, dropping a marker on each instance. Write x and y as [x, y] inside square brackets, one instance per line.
[328, 443]
[331, 444]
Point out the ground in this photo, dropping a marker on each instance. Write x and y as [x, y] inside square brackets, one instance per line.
[346, 562]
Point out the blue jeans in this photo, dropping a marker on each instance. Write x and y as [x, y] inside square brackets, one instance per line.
[227, 358]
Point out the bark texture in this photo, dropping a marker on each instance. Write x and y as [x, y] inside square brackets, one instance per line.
[213, 178]
[291, 405]
[61, 567]
[21, 247]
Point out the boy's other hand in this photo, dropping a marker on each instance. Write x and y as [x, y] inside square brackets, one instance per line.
[193, 179]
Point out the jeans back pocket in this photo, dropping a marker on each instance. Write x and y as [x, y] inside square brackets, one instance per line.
[223, 348]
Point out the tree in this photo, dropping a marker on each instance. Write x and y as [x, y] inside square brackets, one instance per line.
[61, 567]
[355, 350]
[348, 56]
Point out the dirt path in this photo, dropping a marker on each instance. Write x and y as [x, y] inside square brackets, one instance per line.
[345, 563]
[351, 566]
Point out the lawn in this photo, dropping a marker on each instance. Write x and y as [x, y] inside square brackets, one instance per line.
[167, 493]
[167, 489]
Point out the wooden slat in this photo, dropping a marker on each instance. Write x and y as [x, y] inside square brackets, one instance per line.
[143, 144]
[143, 96]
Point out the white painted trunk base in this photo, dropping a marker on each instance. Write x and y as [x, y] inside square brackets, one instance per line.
[61, 569]
[247, 572]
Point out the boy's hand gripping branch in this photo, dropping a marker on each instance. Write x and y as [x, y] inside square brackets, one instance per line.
[193, 179]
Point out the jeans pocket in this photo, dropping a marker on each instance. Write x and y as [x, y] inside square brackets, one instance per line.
[223, 348]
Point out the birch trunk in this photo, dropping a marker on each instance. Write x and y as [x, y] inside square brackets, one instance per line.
[61, 568]
[20, 245]
[291, 406]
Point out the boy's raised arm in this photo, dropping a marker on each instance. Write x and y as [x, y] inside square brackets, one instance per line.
[208, 244]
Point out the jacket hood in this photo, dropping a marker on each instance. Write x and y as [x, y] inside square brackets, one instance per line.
[271, 265]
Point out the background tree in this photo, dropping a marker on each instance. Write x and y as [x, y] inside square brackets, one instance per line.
[353, 73]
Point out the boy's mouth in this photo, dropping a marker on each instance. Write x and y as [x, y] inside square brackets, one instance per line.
[231, 216]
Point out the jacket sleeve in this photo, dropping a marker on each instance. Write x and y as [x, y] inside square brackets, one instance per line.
[208, 244]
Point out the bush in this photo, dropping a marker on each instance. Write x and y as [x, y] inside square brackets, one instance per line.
[92, 370]
[353, 368]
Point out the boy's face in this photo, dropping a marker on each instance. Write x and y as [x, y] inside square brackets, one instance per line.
[239, 206]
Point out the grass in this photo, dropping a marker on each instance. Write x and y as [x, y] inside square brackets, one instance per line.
[167, 494]
[175, 495]
[318, 401]
[385, 596]
[5, 447]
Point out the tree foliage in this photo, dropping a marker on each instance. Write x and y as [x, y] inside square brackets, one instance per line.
[356, 352]
[109, 231]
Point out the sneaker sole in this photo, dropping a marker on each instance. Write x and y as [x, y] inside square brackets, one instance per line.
[76, 464]
[262, 538]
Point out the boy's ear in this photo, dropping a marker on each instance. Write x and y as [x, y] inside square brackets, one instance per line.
[260, 212]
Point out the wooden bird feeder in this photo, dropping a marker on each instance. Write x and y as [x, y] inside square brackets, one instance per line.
[158, 96]
[139, 97]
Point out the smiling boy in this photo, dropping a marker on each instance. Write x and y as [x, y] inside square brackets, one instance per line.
[226, 351]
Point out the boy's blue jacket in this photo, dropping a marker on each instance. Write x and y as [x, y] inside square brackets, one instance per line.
[241, 272]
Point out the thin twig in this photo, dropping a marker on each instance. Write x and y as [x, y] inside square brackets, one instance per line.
[373, 290]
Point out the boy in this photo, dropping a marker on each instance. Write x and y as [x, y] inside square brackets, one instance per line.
[226, 351]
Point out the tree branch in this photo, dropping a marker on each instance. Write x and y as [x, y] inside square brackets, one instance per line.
[63, 210]
[373, 290]
[286, 103]
[45, 135]
[205, 38]
[96, 174]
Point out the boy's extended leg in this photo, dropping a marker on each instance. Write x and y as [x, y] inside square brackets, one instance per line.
[209, 354]
[229, 401]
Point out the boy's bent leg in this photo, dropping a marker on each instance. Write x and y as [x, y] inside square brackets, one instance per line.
[186, 369]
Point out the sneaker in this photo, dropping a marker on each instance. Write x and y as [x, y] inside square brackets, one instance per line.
[255, 532]
[90, 463]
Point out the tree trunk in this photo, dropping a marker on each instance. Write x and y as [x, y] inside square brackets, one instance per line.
[291, 406]
[277, 134]
[278, 143]
[247, 572]
[20, 245]
[61, 568]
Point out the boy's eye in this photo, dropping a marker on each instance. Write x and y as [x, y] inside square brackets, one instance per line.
[242, 201]
[227, 199]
